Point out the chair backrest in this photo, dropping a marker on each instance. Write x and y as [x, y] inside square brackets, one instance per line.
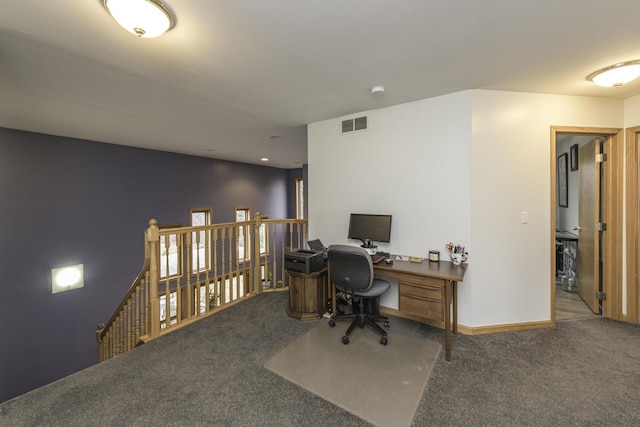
[350, 267]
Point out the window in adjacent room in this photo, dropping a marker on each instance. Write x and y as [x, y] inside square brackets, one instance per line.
[264, 238]
[200, 240]
[170, 248]
[299, 198]
[244, 235]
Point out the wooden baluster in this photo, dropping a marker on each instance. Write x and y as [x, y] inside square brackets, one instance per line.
[167, 284]
[255, 284]
[189, 274]
[273, 240]
[225, 272]
[127, 321]
[146, 307]
[138, 303]
[181, 268]
[282, 270]
[214, 289]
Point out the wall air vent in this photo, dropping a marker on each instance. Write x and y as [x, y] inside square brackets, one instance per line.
[351, 125]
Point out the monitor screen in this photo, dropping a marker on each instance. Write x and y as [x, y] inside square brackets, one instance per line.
[369, 227]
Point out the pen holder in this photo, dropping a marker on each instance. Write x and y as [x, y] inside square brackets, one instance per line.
[458, 258]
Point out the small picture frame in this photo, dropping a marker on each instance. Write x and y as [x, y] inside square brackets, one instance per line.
[573, 157]
[563, 190]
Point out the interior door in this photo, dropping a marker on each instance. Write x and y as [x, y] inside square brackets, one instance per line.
[588, 217]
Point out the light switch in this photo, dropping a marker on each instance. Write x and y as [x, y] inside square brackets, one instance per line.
[524, 217]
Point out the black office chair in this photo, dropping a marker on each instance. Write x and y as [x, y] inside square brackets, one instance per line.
[351, 271]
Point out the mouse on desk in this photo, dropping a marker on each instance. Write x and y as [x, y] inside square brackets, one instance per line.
[388, 261]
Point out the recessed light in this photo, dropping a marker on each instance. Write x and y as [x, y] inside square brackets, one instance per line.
[211, 150]
[264, 159]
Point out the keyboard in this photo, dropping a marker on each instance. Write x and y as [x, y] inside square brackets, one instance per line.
[377, 258]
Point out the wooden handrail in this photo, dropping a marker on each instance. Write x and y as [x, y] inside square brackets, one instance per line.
[102, 327]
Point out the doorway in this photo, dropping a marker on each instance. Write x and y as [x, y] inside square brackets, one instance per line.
[607, 262]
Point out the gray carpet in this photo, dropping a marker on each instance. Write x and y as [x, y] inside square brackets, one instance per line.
[581, 373]
[380, 384]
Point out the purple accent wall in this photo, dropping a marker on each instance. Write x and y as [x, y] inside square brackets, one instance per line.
[65, 201]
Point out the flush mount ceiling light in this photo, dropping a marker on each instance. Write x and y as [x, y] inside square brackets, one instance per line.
[144, 18]
[616, 75]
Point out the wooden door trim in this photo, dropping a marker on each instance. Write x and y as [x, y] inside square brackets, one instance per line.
[612, 211]
[632, 165]
[612, 202]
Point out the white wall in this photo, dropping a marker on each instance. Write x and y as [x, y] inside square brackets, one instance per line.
[413, 162]
[460, 167]
[511, 173]
[632, 112]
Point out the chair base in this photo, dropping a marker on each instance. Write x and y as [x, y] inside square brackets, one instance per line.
[360, 319]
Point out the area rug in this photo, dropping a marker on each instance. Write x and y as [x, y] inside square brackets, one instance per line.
[380, 384]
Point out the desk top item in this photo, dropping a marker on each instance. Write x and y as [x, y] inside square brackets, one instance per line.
[376, 258]
[415, 259]
[457, 252]
[316, 245]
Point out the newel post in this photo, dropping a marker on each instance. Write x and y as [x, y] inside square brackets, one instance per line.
[153, 240]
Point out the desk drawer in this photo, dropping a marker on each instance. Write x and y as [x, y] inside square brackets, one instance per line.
[422, 307]
[433, 293]
[422, 299]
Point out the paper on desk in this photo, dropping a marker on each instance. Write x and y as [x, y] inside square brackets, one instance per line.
[402, 258]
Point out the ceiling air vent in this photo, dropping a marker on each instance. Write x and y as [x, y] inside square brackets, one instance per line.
[350, 125]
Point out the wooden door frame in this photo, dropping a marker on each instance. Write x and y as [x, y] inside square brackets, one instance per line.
[612, 204]
[632, 249]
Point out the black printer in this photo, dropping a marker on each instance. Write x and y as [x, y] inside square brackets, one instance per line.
[304, 261]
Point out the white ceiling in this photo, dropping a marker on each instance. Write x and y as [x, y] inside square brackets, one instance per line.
[233, 74]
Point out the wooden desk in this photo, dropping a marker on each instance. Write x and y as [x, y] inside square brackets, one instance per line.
[427, 290]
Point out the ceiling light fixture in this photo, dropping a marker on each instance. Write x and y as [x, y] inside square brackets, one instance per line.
[67, 278]
[144, 18]
[616, 75]
[377, 90]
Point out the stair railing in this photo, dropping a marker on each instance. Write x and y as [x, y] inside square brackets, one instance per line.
[192, 272]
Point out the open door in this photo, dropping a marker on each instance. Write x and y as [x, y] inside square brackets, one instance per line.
[600, 204]
[588, 217]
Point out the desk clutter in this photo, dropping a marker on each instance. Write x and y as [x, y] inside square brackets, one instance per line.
[457, 252]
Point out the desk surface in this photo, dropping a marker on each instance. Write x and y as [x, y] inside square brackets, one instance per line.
[566, 236]
[445, 270]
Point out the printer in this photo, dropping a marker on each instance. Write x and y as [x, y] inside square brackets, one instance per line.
[304, 261]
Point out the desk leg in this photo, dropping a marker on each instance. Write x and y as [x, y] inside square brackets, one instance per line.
[454, 290]
[447, 319]
[332, 293]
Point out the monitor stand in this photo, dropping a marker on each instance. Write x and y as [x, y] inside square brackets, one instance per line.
[369, 246]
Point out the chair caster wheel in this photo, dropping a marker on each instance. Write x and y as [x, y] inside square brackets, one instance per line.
[345, 340]
[383, 340]
[387, 324]
[332, 323]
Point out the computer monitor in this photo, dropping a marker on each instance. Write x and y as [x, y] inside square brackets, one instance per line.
[370, 228]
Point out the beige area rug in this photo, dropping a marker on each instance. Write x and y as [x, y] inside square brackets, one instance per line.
[380, 384]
